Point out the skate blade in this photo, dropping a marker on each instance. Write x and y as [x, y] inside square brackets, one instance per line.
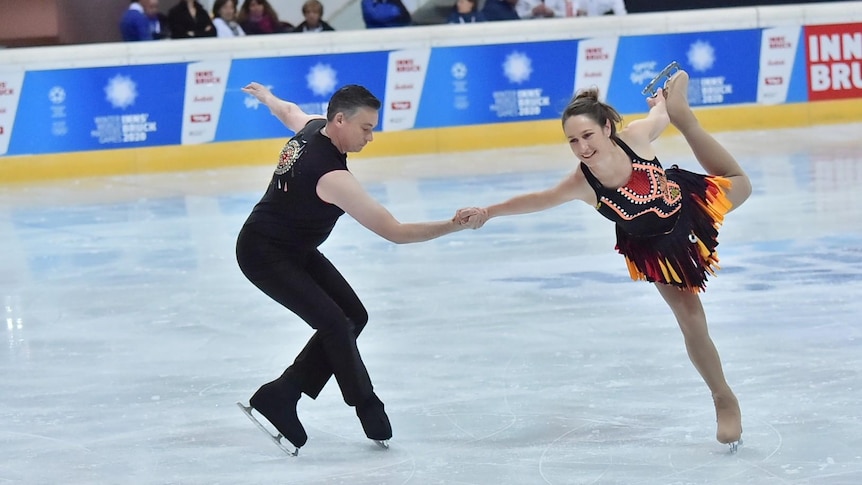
[665, 74]
[275, 438]
[734, 446]
[382, 443]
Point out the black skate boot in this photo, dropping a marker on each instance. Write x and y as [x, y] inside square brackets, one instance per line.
[374, 421]
[276, 401]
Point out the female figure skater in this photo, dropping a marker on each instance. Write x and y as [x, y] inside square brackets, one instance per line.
[666, 220]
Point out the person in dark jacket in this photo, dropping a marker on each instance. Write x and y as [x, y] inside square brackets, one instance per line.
[259, 17]
[385, 13]
[312, 10]
[188, 19]
[465, 12]
[500, 10]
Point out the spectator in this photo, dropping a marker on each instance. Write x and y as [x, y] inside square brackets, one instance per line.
[189, 19]
[257, 17]
[500, 10]
[224, 19]
[142, 21]
[541, 9]
[385, 13]
[465, 12]
[592, 8]
[312, 10]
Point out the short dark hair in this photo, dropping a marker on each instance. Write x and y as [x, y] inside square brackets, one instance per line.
[350, 99]
[218, 4]
[315, 4]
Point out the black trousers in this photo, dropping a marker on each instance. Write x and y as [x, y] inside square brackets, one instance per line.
[307, 283]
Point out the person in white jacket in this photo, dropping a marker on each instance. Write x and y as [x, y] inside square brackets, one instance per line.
[224, 19]
[592, 8]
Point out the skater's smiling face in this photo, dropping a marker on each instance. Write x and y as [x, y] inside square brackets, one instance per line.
[587, 138]
[590, 125]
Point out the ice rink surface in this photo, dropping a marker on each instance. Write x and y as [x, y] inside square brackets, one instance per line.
[520, 353]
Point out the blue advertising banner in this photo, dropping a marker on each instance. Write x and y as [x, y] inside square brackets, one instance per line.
[308, 81]
[722, 66]
[497, 83]
[198, 102]
[98, 108]
[797, 92]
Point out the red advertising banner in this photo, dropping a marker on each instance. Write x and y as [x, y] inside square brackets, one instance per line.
[834, 61]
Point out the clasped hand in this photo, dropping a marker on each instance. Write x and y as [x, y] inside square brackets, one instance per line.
[471, 217]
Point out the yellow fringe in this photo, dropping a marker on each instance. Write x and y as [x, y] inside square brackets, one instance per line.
[672, 272]
[663, 270]
[704, 251]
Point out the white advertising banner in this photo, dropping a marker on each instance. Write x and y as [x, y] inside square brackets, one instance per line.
[205, 88]
[777, 53]
[10, 93]
[595, 64]
[405, 79]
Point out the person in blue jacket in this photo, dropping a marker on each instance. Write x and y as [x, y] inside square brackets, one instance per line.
[385, 13]
[141, 21]
[500, 10]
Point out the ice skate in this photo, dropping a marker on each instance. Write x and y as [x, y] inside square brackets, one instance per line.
[276, 438]
[665, 73]
[276, 401]
[374, 421]
[729, 420]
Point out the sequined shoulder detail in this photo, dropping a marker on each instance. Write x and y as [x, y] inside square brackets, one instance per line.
[291, 151]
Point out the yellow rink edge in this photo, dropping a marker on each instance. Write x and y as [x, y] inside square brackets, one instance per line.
[35, 168]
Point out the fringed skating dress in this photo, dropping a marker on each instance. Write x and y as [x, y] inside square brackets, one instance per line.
[666, 221]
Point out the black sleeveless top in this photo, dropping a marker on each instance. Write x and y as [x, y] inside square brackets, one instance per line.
[648, 204]
[290, 210]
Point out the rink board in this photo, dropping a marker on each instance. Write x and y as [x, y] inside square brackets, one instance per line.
[391, 144]
[126, 109]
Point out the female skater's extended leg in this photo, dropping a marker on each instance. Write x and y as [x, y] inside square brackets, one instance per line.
[714, 158]
[687, 309]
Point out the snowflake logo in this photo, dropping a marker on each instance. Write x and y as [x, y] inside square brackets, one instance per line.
[57, 94]
[701, 56]
[643, 72]
[517, 67]
[121, 91]
[459, 70]
[321, 79]
[251, 102]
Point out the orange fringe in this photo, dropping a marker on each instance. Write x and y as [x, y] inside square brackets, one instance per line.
[715, 205]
